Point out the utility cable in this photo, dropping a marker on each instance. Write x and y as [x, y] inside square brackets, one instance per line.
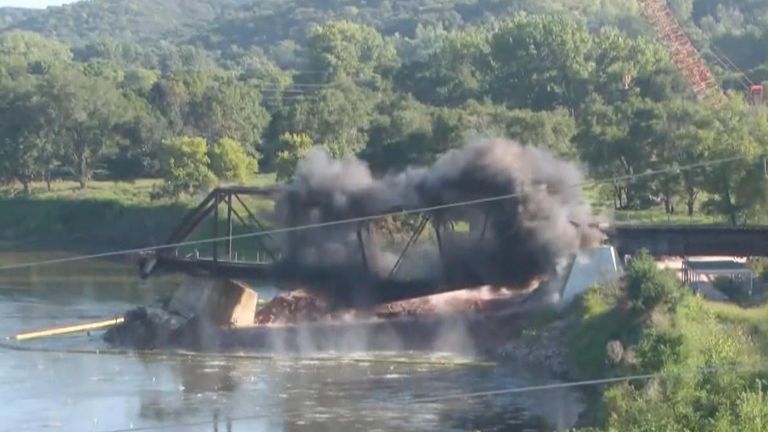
[594, 382]
[405, 212]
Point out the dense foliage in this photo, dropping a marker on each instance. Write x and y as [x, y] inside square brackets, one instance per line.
[709, 374]
[395, 82]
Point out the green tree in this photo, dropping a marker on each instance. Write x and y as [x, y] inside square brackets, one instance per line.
[141, 135]
[680, 135]
[736, 187]
[401, 135]
[24, 141]
[86, 114]
[256, 68]
[231, 162]
[455, 72]
[104, 69]
[427, 41]
[345, 49]
[553, 130]
[540, 62]
[620, 60]
[613, 140]
[229, 108]
[26, 52]
[293, 147]
[139, 80]
[336, 117]
[171, 98]
[185, 165]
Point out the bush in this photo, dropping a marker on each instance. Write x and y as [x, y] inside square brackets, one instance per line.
[659, 348]
[293, 147]
[649, 287]
[600, 322]
[230, 161]
[185, 166]
[758, 265]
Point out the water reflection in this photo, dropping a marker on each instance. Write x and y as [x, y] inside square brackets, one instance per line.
[342, 396]
[198, 386]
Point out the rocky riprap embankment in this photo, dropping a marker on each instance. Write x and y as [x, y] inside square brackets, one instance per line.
[546, 347]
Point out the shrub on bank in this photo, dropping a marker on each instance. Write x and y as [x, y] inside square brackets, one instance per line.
[649, 287]
[710, 379]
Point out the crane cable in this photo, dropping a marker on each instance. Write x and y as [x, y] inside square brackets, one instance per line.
[733, 67]
[743, 77]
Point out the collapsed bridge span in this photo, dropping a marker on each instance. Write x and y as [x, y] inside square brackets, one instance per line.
[357, 239]
[225, 215]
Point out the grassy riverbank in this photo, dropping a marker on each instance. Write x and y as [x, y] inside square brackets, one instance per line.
[106, 216]
[710, 357]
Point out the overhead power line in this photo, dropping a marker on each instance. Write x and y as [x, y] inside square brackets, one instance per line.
[496, 198]
[589, 383]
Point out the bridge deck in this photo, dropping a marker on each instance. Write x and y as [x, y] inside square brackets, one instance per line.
[691, 240]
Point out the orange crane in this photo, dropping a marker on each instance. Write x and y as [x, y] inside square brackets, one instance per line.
[685, 55]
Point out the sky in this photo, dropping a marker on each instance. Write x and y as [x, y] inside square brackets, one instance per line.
[33, 3]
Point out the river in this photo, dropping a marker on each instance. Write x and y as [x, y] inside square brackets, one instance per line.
[59, 391]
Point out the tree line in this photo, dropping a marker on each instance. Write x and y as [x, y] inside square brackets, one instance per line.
[604, 96]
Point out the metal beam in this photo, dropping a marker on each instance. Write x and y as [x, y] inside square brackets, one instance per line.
[253, 218]
[362, 247]
[439, 241]
[486, 219]
[258, 238]
[191, 221]
[229, 226]
[214, 243]
[415, 236]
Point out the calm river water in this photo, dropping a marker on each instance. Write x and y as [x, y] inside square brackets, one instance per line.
[87, 392]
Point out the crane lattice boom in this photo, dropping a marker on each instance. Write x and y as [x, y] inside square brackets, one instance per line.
[682, 51]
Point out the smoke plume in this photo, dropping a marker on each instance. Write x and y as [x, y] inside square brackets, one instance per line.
[504, 243]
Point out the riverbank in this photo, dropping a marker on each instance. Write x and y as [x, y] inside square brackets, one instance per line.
[106, 216]
[710, 357]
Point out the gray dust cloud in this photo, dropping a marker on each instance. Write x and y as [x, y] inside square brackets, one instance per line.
[542, 220]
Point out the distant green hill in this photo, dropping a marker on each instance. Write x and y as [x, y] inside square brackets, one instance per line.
[134, 20]
[10, 16]
[221, 24]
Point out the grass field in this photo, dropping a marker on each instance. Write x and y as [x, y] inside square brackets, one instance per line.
[107, 215]
[658, 216]
[753, 320]
[600, 199]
